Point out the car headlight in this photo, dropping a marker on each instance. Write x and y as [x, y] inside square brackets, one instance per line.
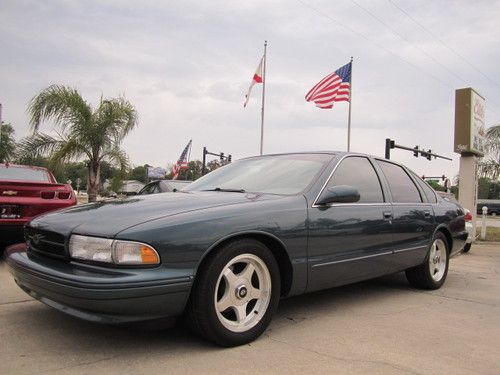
[112, 251]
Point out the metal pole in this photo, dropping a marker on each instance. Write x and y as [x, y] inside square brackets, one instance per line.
[204, 160]
[349, 121]
[263, 96]
[388, 148]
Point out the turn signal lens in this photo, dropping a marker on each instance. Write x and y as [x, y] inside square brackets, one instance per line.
[149, 256]
[135, 253]
[112, 251]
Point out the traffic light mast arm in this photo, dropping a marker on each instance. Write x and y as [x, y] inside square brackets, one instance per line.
[389, 143]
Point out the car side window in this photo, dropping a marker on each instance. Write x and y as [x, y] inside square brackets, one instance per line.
[358, 172]
[403, 189]
[428, 191]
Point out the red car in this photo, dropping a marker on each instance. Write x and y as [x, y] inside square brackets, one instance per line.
[26, 192]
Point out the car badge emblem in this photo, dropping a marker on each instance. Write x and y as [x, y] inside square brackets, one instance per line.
[9, 192]
[36, 238]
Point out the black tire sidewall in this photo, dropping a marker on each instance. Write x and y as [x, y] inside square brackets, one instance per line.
[210, 275]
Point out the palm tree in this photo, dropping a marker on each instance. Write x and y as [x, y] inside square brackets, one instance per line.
[492, 157]
[82, 132]
[7, 142]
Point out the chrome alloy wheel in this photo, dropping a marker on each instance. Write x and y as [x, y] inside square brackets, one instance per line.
[242, 292]
[437, 259]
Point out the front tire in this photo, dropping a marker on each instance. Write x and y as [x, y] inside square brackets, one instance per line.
[432, 273]
[235, 294]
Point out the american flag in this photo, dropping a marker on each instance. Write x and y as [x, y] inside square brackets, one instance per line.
[182, 163]
[335, 87]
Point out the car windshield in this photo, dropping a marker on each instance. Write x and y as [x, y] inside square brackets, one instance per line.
[278, 174]
[178, 184]
[23, 174]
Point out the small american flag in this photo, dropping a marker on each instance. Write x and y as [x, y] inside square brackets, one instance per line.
[335, 87]
[182, 163]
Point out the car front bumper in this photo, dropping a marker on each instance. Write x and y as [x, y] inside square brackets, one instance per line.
[98, 294]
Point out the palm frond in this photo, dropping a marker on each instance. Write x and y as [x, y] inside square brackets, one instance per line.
[116, 117]
[62, 104]
[117, 157]
[68, 149]
[37, 145]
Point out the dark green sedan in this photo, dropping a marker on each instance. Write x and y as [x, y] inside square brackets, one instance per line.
[225, 249]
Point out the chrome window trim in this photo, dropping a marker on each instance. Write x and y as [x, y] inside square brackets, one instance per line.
[314, 205]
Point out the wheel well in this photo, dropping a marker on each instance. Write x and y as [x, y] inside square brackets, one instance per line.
[277, 249]
[448, 238]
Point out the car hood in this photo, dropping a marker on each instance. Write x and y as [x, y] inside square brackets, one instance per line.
[107, 218]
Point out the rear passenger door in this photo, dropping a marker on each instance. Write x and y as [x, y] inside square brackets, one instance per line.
[413, 217]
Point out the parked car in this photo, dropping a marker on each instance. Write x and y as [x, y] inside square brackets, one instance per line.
[467, 217]
[26, 192]
[226, 248]
[163, 186]
[492, 204]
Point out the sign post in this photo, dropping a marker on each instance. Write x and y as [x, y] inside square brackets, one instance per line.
[469, 143]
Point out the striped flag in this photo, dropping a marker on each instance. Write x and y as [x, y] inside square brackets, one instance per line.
[335, 87]
[257, 78]
[182, 163]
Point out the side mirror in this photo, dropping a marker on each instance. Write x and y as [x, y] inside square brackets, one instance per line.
[339, 194]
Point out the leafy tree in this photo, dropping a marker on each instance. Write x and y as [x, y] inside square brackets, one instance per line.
[7, 142]
[139, 173]
[84, 132]
[488, 189]
[435, 185]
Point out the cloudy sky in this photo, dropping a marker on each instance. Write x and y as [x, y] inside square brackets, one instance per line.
[186, 65]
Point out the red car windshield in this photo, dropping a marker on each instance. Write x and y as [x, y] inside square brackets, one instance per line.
[24, 174]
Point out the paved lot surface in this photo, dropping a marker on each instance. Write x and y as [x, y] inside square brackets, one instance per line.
[377, 327]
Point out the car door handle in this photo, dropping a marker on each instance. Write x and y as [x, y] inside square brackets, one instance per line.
[427, 213]
[387, 214]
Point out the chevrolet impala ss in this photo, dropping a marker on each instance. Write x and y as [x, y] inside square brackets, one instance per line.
[225, 249]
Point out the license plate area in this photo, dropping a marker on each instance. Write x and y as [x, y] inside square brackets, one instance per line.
[10, 211]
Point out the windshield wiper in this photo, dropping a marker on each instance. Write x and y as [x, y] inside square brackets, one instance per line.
[226, 190]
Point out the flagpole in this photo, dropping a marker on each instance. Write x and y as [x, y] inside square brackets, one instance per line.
[349, 119]
[263, 96]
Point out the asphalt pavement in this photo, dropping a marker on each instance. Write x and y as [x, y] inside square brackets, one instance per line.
[378, 327]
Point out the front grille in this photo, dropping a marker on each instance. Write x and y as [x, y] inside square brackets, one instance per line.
[44, 242]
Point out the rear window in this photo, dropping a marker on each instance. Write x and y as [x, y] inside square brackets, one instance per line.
[24, 174]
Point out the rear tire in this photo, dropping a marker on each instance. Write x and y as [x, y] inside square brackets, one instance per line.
[432, 273]
[235, 293]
